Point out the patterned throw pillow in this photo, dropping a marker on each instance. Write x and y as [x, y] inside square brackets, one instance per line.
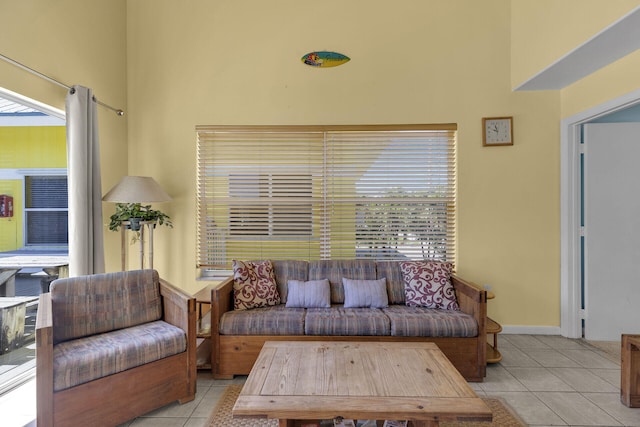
[254, 285]
[428, 284]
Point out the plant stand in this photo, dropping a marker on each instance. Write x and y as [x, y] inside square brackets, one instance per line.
[149, 225]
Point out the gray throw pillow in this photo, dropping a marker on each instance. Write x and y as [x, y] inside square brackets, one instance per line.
[311, 294]
[365, 293]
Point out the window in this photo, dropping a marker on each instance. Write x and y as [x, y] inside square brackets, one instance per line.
[380, 192]
[259, 209]
[46, 210]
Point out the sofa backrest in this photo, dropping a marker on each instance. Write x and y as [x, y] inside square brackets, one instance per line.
[395, 283]
[289, 270]
[335, 270]
[88, 305]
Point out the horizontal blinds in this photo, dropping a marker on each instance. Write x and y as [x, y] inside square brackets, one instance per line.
[395, 191]
[46, 209]
[258, 195]
[312, 193]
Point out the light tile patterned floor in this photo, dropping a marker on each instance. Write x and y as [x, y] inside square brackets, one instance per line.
[548, 380]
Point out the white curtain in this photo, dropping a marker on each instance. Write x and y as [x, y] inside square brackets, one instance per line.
[86, 244]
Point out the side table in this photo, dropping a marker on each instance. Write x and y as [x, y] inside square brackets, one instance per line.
[203, 327]
[494, 328]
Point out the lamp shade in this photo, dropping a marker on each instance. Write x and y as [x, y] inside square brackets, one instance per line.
[136, 189]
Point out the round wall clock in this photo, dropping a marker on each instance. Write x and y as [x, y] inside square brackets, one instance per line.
[497, 131]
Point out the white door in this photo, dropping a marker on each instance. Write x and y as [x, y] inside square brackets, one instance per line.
[612, 230]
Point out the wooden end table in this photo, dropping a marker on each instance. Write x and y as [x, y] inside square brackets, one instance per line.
[311, 380]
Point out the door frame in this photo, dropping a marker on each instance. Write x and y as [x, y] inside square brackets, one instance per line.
[571, 313]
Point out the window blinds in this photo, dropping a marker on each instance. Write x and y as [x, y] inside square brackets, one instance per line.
[380, 192]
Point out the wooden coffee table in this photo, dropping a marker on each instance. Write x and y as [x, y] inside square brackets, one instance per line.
[311, 380]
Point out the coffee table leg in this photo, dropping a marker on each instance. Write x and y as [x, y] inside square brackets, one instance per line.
[286, 423]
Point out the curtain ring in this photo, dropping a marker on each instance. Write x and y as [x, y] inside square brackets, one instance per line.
[72, 90]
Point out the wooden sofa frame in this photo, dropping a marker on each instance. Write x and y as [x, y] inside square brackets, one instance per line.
[120, 397]
[235, 354]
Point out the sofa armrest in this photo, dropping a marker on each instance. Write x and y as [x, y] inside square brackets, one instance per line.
[44, 361]
[221, 302]
[472, 300]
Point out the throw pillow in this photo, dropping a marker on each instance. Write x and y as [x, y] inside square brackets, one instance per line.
[365, 293]
[428, 284]
[254, 285]
[311, 294]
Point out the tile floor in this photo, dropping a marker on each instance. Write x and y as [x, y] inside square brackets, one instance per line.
[548, 380]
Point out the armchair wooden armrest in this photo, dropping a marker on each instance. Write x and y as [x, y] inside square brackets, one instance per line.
[44, 361]
[179, 309]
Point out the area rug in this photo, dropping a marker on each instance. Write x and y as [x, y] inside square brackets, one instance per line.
[503, 416]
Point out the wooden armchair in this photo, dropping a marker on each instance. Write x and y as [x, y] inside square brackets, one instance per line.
[82, 379]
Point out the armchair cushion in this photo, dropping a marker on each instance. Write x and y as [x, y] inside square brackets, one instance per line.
[85, 359]
[88, 305]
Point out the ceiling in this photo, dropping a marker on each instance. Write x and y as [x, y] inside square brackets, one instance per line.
[13, 113]
[10, 107]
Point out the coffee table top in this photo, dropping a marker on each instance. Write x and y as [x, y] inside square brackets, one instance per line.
[359, 380]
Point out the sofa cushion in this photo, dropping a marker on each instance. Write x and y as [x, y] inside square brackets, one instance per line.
[254, 285]
[273, 320]
[309, 294]
[395, 283]
[428, 284]
[87, 305]
[335, 270]
[365, 293]
[85, 359]
[289, 270]
[428, 322]
[346, 321]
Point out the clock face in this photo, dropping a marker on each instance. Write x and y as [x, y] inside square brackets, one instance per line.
[497, 131]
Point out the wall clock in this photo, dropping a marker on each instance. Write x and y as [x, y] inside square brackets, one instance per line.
[497, 131]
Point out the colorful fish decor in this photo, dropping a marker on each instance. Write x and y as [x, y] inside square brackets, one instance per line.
[324, 59]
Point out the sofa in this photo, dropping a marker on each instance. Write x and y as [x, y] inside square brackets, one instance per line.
[346, 300]
[111, 347]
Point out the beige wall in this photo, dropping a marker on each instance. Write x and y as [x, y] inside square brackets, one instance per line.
[609, 83]
[238, 62]
[230, 62]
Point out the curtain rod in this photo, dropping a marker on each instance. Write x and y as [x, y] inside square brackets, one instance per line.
[118, 111]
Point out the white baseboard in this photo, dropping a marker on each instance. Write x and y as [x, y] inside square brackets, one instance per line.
[531, 330]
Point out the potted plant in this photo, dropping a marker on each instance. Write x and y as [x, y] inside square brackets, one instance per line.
[135, 213]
